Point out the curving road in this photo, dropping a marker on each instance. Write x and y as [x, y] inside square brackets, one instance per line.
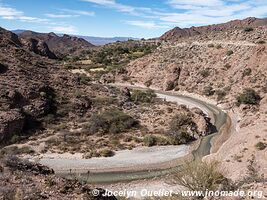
[140, 163]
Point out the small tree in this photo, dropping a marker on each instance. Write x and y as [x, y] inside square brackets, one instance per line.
[249, 96]
[179, 129]
[150, 140]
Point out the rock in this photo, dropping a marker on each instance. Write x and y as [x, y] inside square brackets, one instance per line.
[38, 108]
[81, 105]
[38, 47]
[3, 68]
[15, 163]
[172, 79]
[11, 123]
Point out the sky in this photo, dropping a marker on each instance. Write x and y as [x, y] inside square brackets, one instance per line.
[123, 18]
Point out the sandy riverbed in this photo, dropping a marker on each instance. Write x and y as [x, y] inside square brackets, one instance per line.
[140, 157]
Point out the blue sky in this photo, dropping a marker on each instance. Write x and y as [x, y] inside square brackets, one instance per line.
[130, 18]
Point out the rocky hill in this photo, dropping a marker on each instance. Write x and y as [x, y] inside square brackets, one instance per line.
[60, 46]
[248, 23]
[21, 179]
[32, 88]
[226, 66]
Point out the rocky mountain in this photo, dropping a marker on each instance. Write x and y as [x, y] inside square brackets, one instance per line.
[98, 41]
[248, 23]
[60, 46]
[32, 87]
[21, 179]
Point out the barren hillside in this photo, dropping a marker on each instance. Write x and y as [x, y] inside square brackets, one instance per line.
[222, 66]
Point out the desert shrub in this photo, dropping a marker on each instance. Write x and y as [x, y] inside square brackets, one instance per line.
[14, 150]
[210, 45]
[106, 153]
[227, 66]
[150, 140]
[110, 121]
[201, 176]
[205, 73]
[247, 72]
[178, 130]
[218, 46]
[139, 96]
[248, 29]
[261, 42]
[85, 79]
[229, 53]
[178, 138]
[15, 139]
[261, 146]
[220, 94]
[148, 83]
[249, 96]
[208, 91]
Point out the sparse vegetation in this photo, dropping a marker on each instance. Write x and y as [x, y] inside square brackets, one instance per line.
[205, 73]
[220, 94]
[247, 72]
[116, 55]
[110, 122]
[210, 45]
[179, 129]
[201, 176]
[106, 153]
[229, 53]
[248, 29]
[208, 91]
[261, 42]
[150, 140]
[139, 96]
[249, 96]
[261, 146]
[227, 66]
[218, 46]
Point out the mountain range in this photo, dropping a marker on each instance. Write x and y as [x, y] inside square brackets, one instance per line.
[98, 41]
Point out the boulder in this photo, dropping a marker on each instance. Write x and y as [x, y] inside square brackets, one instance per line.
[11, 123]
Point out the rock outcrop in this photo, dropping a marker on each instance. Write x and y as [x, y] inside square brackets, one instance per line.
[59, 46]
[38, 47]
[177, 32]
[11, 123]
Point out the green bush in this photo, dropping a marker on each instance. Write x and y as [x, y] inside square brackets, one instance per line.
[229, 53]
[261, 42]
[220, 94]
[218, 46]
[210, 45]
[249, 96]
[111, 121]
[205, 73]
[106, 153]
[201, 176]
[261, 146]
[247, 72]
[150, 140]
[178, 130]
[248, 29]
[227, 66]
[139, 96]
